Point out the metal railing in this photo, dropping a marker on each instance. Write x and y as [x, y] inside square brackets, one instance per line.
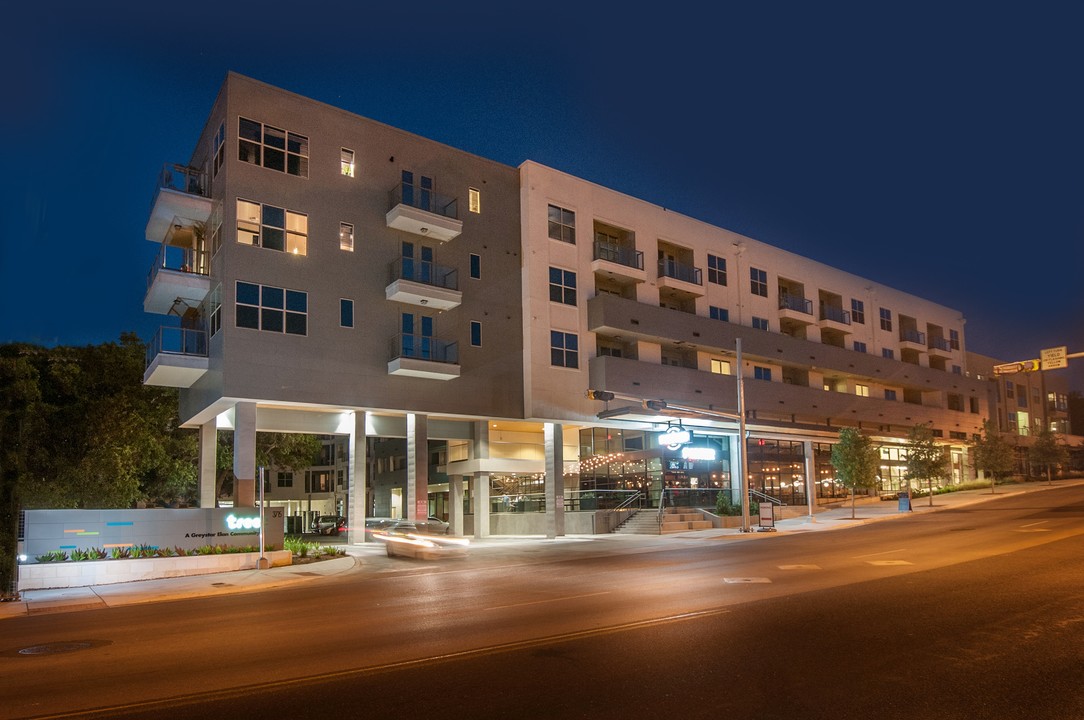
[913, 336]
[940, 343]
[178, 259]
[424, 199]
[629, 257]
[576, 500]
[680, 271]
[835, 314]
[424, 347]
[172, 340]
[796, 303]
[425, 272]
[181, 178]
[519, 503]
[764, 497]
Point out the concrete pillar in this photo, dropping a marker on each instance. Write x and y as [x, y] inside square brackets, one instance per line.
[208, 464]
[555, 479]
[357, 480]
[810, 478]
[480, 482]
[417, 467]
[455, 504]
[244, 454]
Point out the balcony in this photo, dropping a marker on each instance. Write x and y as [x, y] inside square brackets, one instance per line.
[178, 279]
[912, 340]
[622, 264]
[940, 347]
[423, 356]
[681, 277]
[421, 211]
[834, 318]
[418, 282]
[796, 308]
[176, 357]
[180, 192]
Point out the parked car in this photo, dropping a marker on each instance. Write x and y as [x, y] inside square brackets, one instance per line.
[328, 524]
[436, 526]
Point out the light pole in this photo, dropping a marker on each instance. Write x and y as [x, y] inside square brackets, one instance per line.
[742, 471]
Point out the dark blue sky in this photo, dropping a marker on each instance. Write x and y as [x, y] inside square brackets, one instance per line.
[937, 148]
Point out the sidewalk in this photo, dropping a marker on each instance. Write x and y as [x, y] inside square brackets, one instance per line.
[371, 556]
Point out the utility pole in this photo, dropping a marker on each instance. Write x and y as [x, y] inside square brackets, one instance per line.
[742, 447]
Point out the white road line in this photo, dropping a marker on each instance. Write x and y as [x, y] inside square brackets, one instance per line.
[1035, 523]
[548, 600]
[886, 552]
[799, 567]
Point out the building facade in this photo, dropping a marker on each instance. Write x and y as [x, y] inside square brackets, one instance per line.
[445, 316]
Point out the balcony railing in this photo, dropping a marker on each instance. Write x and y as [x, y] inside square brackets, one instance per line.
[425, 272]
[680, 271]
[424, 347]
[940, 343]
[181, 179]
[178, 259]
[174, 340]
[913, 336]
[421, 198]
[796, 303]
[629, 257]
[835, 314]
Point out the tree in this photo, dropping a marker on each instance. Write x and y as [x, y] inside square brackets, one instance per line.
[1047, 452]
[290, 451]
[926, 460]
[856, 461]
[991, 453]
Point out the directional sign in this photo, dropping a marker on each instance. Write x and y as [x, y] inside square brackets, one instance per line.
[1054, 358]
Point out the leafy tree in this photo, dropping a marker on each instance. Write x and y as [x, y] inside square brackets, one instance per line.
[1047, 452]
[290, 451]
[856, 461]
[991, 453]
[926, 460]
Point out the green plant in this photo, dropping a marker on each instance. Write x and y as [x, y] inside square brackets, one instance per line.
[164, 552]
[79, 555]
[120, 553]
[52, 556]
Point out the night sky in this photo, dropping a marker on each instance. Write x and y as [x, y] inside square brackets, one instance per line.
[937, 148]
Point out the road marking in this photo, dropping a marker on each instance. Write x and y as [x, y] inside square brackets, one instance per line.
[799, 567]
[548, 600]
[1040, 522]
[881, 563]
[744, 580]
[1031, 530]
[886, 552]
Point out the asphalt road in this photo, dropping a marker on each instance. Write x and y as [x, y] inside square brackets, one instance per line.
[970, 613]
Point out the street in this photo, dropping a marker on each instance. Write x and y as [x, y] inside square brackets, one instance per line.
[976, 612]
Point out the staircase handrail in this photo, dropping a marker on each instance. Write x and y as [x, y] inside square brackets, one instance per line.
[758, 495]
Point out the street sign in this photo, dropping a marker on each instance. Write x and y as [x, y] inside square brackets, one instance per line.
[1054, 358]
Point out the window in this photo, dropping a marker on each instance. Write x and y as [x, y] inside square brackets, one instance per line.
[317, 481]
[272, 227]
[762, 373]
[564, 349]
[1009, 389]
[474, 200]
[263, 307]
[272, 148]
[886, 319]
[286, 479]
[858, 311]
[562, 224]
[760, 323]
[1021, 396]
[475, 333]
[957, 370]
[219, 149]
[954, 339]
[475, 266]
[973, 403]
[955, 401]
[861, 390]
[859, 346]
[720, 367]
[716, 270]
[888, 353]
[346, 237]
[758, 282]
[346, 162]
[562, 286]
[214, 303]
[890, 394]
[346, 313]
[718, 313]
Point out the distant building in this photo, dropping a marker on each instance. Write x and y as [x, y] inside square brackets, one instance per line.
[443, 316]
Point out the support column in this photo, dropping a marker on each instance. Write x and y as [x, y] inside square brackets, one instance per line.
[455, 504]
[810, 478]
[244, 454]
[480, 481]
[417, 467]
[555, 479]
[357, 480]
[208, 466]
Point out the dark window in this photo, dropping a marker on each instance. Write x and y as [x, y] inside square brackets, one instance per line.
[476, 333]
[716, 270]
[758, 282]
[562, 286]
[718, 313]
[562, 224]
[564, 349]
[475, 266]
[858, 312]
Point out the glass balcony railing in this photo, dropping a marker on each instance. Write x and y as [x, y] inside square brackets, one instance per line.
[940, 343]
[424, 199]
[629, 257]
[680, 271]
[424, 347]
[796, 303]
[835, 314]
[425, 272]
[178, 259]
[172, 340]
[913, 336]
[181, 179]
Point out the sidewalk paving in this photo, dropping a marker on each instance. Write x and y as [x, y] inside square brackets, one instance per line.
[371, 556]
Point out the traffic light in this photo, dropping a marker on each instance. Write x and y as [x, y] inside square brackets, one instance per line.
[600, 395]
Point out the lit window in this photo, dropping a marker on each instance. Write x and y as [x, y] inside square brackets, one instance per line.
[474, 200]
[564, 349]
[562, 286]
[346, 237]
[861, 390]
[562, 224]
[346, 162]
[720, 367]
[271, 227]
[346, 313]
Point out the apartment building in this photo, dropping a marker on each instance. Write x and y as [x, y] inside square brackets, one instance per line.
[445, 315]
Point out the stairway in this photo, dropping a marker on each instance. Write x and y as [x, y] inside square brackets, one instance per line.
[674, 520]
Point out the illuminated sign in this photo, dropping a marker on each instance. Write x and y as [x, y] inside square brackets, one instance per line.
[675, 436]
[242, 523]
[698, 453]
